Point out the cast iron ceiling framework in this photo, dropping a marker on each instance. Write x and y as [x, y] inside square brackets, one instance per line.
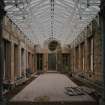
[60, 19]
[52, 17]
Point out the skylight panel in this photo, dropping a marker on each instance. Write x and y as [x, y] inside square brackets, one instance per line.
[70, 16]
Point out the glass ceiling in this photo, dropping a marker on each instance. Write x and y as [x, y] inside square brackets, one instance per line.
[44, 19]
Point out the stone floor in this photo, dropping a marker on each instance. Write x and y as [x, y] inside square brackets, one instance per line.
[49, 87]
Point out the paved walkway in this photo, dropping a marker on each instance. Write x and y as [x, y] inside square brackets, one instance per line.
[49, 87]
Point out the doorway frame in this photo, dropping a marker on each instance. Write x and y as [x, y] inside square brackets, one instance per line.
[55, 64]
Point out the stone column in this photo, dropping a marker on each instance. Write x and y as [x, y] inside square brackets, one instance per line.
[82, 57]
[35, 61]
[86, 56]
[103, 46]
[75, 66]
[2, 14]
[12, 64]
[19, 60]
[25, 61]
[45, 60]
[79, 61]
[73, 59]
[32, 63]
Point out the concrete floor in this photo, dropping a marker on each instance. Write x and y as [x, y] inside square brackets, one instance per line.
[49, 87]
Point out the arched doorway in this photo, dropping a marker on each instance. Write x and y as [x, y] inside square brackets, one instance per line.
[52, 46]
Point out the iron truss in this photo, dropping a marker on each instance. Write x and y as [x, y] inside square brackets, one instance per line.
[61, 19]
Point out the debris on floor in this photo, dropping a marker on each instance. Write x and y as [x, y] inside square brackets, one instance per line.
[87, 90]
[81, 90]
[74, 91]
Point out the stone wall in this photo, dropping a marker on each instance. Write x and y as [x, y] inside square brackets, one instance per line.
[59, 52]
[16, 48]
[86, 52]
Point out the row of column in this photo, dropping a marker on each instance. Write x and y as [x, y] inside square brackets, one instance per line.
[18, 63]
[86, 58]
